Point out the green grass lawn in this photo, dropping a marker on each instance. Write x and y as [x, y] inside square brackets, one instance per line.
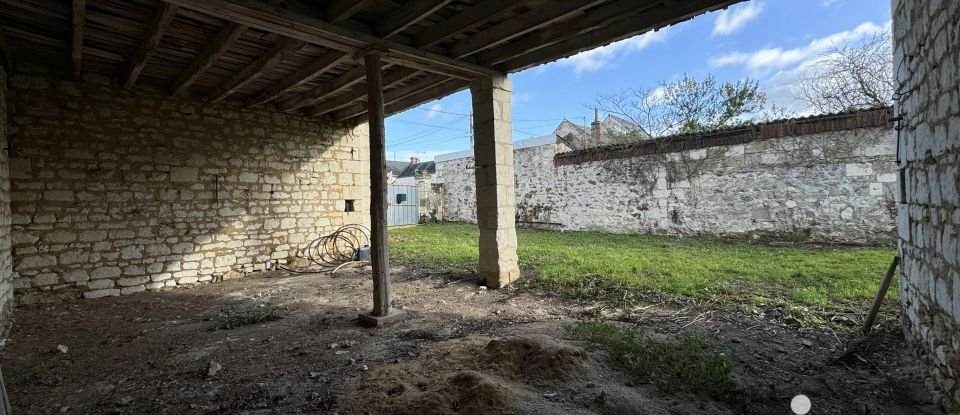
[673, 267]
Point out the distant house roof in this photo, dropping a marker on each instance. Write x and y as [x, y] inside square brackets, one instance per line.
[613, 130]
[412, 169]
[396, 167]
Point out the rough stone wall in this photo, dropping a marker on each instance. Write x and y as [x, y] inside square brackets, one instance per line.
[927, 53]
[6, 259]
[835, 186]
[116, 192]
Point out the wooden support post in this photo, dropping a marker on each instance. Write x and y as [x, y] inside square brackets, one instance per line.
[382, 312]
[881, 293]
[76, 53]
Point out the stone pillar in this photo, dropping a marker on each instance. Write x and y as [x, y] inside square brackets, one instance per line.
[493, 150]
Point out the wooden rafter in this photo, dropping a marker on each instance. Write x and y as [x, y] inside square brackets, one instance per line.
[301, 76]
[464, 21]
[224, 39]
[342, 82]
[262, 65]
[161, 21]
[417, 98]
[545, 15]
[596, 19]
[76, 53]
[408, 15]
[312, 30]
[345, 100]
[340, 10]
[391, 97]
[658, 17]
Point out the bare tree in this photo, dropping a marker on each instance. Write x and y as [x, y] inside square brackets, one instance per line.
[851, 76]
[688, 105]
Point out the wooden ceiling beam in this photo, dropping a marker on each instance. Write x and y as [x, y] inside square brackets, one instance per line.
[416, 98]
[391, 97]
[344, 100]
[76, 53]
[601, 17]
[545, 15]
[309, 29]
[340, 10]
[224, 39]
[254, 70]
[161, 22]
[346, 80]
[408, 15]
[665, 15]
[464, 21]
[302, 75]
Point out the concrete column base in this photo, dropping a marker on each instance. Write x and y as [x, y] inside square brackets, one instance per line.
[370, 320]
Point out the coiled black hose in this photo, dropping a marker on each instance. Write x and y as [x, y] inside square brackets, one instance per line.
[330, 251]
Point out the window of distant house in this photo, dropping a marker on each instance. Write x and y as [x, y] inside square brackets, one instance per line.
[348, 205]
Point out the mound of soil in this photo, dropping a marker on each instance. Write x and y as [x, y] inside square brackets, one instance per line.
[525, 374]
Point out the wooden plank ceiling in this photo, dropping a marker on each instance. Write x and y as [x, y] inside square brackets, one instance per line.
[306, 55]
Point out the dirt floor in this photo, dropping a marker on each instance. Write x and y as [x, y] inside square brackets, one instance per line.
[289, 343]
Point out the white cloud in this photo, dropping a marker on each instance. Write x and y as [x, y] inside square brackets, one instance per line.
[765, 60]
[521, 97]
[735, 18]
[603, 57]
[433, 112]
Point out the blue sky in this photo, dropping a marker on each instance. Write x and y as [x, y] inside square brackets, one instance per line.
[767, 40]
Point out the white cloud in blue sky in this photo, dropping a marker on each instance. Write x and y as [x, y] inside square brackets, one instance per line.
[603, 57]
[767, 59]
[735, 18]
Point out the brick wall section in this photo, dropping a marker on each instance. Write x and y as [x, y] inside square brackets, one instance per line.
[835, 186]
[6, 259]
[116, 192]
[927, 62]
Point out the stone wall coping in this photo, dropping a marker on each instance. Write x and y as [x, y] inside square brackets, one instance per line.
[868, 118]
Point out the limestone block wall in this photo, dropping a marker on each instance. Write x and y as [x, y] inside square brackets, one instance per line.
[116, 192]
[927, 51]
[6, 256]
[837, 186]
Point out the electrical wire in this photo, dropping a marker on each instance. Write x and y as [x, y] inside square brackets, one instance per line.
[330, 251]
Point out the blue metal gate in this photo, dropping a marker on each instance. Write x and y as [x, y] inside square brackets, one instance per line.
[402, 205]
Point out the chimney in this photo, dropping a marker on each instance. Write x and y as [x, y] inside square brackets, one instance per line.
[414, 160]
[596, 128]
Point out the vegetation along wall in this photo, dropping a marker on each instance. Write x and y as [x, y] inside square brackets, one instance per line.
[116, 192]
[829, 179]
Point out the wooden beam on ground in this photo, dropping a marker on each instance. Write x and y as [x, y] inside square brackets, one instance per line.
[545, 15]
[262, 65]
[309, 29]
[391, 97]
[76, 53]
[346, 80]
[601, 17]
[464, 21]
[216, 48]
[161, 22]
[677, 11]
[408, 15]
[302, 75]
[382, 312]
[345, 100]
[340, 10]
